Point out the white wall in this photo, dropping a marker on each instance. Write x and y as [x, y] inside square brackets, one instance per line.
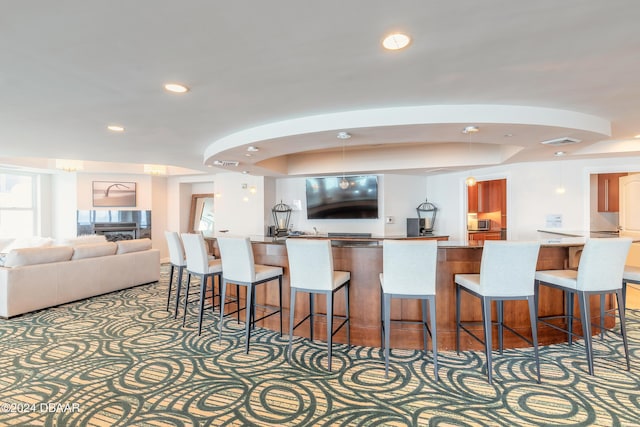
[531, 194]
[236, 209]
[399, 195]
[85, 190]
[64, 205]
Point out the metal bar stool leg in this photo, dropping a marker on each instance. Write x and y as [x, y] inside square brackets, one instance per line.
[180, 269]
[500, 309]
[329, 326]
[458, 319]
[247, 328]
[203, 291]
[346, 300]
[533, 316]
[292, 310]
[186, 299]
[170, 285]
[387, 326]
[620, 297]
[434, 337]
[486, 317]
[223, 293]
[583, 301]
[424, 326]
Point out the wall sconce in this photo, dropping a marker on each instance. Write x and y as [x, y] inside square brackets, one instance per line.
[69, 165]
[155, 169]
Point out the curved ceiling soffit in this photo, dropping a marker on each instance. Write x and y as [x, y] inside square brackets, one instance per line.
[266, 135]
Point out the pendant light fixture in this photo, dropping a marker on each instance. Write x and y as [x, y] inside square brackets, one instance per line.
[344, 184]
[471, 180]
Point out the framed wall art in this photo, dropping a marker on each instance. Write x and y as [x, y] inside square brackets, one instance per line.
[114, 194]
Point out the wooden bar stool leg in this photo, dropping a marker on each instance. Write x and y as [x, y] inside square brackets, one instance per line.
[387, 326]
[329, 326]
[434, 337]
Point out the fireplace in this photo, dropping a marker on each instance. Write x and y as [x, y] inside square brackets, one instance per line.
[117, 231]
[115, 224]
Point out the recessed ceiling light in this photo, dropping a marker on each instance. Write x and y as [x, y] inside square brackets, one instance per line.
[248, 154]
[470, 129]
[396, 41]
[559, 153]
[115, 128]
[245, 172]
[508, 135]
[344, 135]
[252, 148]
[176, 88]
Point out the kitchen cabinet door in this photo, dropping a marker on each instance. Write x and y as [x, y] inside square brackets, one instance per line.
[472, 199]
[490, 235]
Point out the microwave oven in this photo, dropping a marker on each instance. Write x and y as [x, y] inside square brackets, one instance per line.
[484, 224]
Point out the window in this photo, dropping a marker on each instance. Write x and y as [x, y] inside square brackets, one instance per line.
[17, 205]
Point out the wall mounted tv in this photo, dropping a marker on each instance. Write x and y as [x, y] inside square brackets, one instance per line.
[326, 200]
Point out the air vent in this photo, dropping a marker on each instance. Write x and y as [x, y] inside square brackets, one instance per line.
[225, 163]
[561, 141]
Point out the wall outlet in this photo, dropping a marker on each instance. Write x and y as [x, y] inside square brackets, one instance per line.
[388, 220]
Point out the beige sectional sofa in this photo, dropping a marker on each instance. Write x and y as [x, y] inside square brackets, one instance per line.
[40, 277]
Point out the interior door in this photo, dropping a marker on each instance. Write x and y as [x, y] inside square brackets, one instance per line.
[630, 214]
[630, 205]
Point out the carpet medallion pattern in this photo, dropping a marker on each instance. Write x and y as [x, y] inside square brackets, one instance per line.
[121, 359]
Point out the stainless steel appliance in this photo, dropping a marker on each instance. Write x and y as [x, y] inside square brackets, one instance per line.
[484, 225]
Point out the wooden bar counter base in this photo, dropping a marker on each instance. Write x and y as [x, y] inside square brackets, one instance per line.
[363, 258]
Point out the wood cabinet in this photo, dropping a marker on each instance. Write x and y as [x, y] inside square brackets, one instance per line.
[608, 192]
[485, 235]
[487, 196]
[472, 199]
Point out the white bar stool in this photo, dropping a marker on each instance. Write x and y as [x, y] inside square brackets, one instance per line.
[600, 271]
[238, 267]
[409, 271]
[311, 270]
[178, 260]
[507, 272]
[199, 264]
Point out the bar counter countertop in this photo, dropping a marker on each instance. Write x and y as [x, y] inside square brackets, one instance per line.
[363, 258]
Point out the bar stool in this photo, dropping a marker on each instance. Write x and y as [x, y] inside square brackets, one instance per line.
[507, 271]
[238, 267]
[199, 264]
[178, 260]
[409, 271]
[600, 271]
[311, 270]
[631, 275]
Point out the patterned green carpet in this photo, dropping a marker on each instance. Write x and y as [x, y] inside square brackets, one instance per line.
[121, 359]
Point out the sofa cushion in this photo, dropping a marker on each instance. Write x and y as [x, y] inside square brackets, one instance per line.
[28, 242]
[135, 245]
[95, 250]
[30, 256]
[89, 239]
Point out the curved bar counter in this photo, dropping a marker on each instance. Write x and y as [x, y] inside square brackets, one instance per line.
[363, 258]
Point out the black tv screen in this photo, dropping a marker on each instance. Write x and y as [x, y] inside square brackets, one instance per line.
[327, 200]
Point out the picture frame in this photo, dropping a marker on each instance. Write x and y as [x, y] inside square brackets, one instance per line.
[114, 194]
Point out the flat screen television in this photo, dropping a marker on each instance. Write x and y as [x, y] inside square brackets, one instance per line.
[326, 200]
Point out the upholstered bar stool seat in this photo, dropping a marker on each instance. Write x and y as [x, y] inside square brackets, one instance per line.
[311, 270]
[600, 271]
[239, 268]
[409, 272]
[200, 264]
[507, 271]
